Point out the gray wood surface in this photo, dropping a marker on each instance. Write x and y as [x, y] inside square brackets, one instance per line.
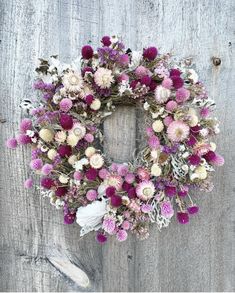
[39, 253]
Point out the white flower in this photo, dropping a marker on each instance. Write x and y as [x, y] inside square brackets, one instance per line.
[89, 151]
[95, 105]
[136, 57]
[124, 88]
[72, 81]
[60, 136]
[103, 77]
[96, 161]
[63, 178]
[72, 159]
[78, 130]
[72, 140]
[162, 94]
[30, 133]
[90, 217]
[56, 98]
[114, 39]
[158, 126]
[156, 170]
[146, 106]
[193, 75]
[78, 166]
[52, 153]
[204, 132]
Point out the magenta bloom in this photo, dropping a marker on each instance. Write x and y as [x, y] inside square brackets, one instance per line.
[23, 139]
[28, 183]
[210, 156]
[183, 217]
[130, 178]
[61, 191]
[116, 201]
[110, 191]
[101, 238]
[69, 218]
[91, 174]
[65, 151]
[87, 52]
[11, 143]
[150, 53]
[194, 160]
[66, 104]
[36, 164]
[124, 59]
[106, 41]
[146, 80]
[89, 99]
[152, 85]
[193, 210]
[133, 84]
[177, 81]
[25, 124]
[170, 191]
[121, 235]
[47, 182]
[218, 160]
[66, 121]
[191, 141]
[132, 193]
[175, 72]
[183, 191]
[126, 186]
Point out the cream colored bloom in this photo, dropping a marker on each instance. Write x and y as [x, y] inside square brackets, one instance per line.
[213, 146]
[90, 151]
[78, 130]
[96, 161]
[60, 136]
[72, 159]
[52, 154]
[156, 170]
[193, 118]
[46, 135]
[103, 77]
[72, 140]
[201, 172]
[162, 94]
[158, 126]
[95, 105]
[154, 154]
[72, 81]
[63, 178]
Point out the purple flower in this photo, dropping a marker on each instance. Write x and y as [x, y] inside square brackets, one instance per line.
[150, 53]
[101, 238]
[106, 41]
[36, 164]
[194, 160]
[69, 218]
[170, 191]
[193, 209]
[183, 217]
[87, 52]
[11, 143]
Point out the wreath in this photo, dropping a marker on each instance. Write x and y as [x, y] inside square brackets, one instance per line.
[64, 131]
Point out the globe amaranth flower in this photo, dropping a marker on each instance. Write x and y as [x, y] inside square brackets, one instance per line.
[182, 95]
[91, 174]
[121, 235]
[178, 82]
[103, 78]
[36, 164]
[66, 104]
[178, 131]
[46, 169]
[72, 81]
[109, 224]
[106, 41]
[116, 201]
[28, 183]
[166, 209]
[150, 53]
[69, 218]
[11, 143]
[87, 52]
[145, 190]
[182, 217]
[66, 121]
[25, 124]
[91, 195]
[193, 209]
[101, 238]
[141, 71]
[61, 191]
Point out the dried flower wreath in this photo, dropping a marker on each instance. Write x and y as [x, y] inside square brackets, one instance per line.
[114, 199]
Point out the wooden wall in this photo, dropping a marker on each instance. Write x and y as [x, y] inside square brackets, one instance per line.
[38, 252]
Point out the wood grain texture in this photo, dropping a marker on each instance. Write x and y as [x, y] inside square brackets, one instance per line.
[39, 253]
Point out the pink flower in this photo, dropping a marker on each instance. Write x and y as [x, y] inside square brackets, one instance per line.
[11, 143]
[109, 225]
[167, 83]
[167, 120]
[124, 59]
[143, 174]
[177, 131]
[122, 169]
[130, 178]
[171, 106]
[36, 164]
[149, 131]
[28, 183]
[65, 104]
[146, 208]
[182, 95]
[23, 139]
[89, 137]
[78, 175]
[166, 209]
[205, 112]
[91, 194]
[123, 77]
[103, 173]
[121, 235]
[141, 71]
[46, 169]
[153, 142]
[26, 124]
[126, 225]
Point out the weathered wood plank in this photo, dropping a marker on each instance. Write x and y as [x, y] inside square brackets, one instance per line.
[198, 257]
